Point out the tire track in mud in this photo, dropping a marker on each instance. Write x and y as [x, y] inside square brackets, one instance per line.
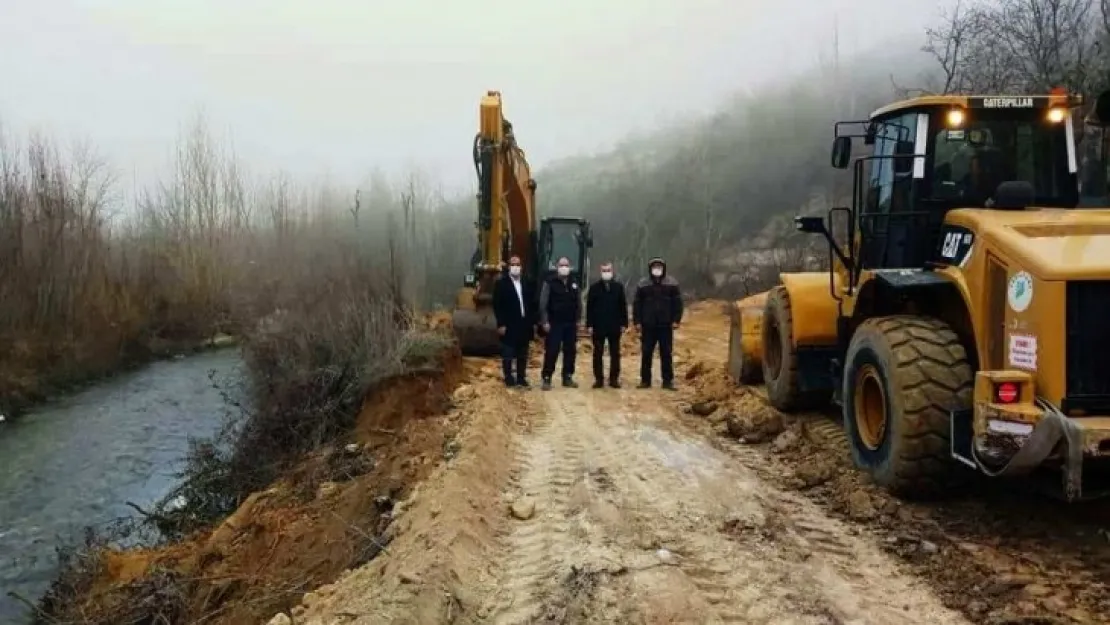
[735, 582]
[833, 573]
[550, 461]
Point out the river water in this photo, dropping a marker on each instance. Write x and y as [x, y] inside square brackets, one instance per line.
[74, 462]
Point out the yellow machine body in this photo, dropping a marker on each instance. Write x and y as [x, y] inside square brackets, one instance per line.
[981, 345]
[508, 225]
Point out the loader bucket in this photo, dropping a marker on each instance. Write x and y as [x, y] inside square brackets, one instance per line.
[476, 331]
[745, 345]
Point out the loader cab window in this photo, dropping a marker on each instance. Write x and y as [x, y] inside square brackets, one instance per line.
[889, 220]
[993, 146]
[891, 176]
[1094, 168]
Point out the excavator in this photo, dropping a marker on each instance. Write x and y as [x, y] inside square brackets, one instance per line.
[961, 326]
[508, 225]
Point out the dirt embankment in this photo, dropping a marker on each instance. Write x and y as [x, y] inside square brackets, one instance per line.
[998, 552]
[489, 505]
[330, 515]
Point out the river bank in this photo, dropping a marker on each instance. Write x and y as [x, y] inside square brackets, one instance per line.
[26, 385]
[329, 513]
[75, 461]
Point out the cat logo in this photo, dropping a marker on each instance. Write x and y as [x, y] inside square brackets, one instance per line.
[1008, 103]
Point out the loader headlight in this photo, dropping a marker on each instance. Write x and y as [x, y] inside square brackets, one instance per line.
[1056, 115]
[955, 118]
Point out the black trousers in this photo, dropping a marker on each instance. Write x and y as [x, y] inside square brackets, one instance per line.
[614, 341]
[514, 351]
[663, 337]
[562, 337]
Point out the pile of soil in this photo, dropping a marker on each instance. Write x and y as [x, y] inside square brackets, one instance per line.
[331, 514]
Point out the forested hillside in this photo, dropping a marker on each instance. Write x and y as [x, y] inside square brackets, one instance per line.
[715, 198]
[728, 183]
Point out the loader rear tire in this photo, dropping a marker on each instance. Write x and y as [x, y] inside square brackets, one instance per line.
[741, 369]
[780, 359]
[903, 376]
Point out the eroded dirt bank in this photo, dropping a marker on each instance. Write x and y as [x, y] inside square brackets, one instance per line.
[327, 516]
[470, 503]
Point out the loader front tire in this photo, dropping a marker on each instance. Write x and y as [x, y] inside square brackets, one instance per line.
[780, 359]
[740, 368]
[903, 376]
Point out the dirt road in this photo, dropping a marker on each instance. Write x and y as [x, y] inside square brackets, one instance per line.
[637, 521]
[609, 506]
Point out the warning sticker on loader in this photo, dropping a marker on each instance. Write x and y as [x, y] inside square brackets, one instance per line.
[1023, 351]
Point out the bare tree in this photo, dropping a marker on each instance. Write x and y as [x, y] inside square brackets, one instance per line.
[1021, 46]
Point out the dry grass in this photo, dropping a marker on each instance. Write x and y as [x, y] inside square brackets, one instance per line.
[321, 295]
[91, 284]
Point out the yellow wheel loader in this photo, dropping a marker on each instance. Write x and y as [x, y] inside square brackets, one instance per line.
[507, 226]
[964, 323]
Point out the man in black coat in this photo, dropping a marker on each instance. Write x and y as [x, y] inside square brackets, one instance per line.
[656, 313]
[512, 307]
[606, 319]
[560, 304]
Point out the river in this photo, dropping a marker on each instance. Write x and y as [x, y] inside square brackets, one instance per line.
[74, 462]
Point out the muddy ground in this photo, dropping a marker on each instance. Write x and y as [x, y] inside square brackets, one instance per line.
[998, 552]
[702, 506]
[634, 506]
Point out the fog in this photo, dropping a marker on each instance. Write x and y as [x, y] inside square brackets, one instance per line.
[339, 87]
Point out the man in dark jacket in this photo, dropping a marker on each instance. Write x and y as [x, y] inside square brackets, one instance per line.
[656, 312]
[513, 309]
[559, 312]
[606, 318]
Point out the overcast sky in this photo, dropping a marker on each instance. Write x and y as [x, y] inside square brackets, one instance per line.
[342, 86]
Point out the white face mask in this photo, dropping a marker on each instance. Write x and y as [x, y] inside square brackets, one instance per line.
[657, 272]
[564, 271]
[514, 270]
[606, 275]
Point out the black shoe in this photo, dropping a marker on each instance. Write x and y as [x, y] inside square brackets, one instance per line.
[509, 383]
[570, 383]
[599, 384]
[614, 383]
[522, 383]
[644, 385]
[669, 386]
[546, 384]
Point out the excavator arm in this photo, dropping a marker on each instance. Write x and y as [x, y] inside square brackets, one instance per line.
[507, 226]
[506, 191]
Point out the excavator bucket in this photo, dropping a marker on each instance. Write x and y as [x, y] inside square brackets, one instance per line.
[476, 331]
[745, 339]
[475, 325]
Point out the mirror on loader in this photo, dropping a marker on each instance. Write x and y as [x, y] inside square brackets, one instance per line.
[841, 152]
[809, 225]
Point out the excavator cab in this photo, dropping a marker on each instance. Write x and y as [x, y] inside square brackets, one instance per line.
[508, 225]
[563, 236]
